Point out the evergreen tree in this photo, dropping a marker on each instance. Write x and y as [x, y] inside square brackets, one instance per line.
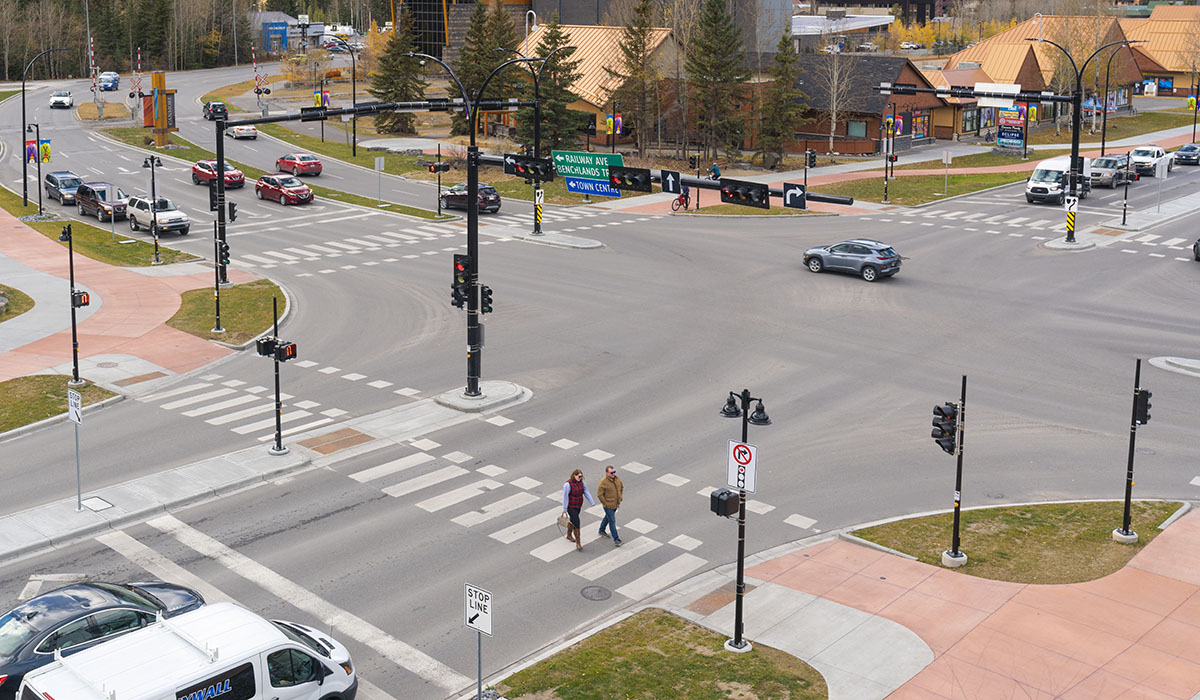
[781, 107]
[490, 28]
[716, 67]
[636, 74]
[559, 124]
[397, 79]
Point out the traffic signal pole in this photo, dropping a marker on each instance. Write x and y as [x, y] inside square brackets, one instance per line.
[1141, 415]
[217, 278]
[278, 449]
[962, 426]
[222, 271]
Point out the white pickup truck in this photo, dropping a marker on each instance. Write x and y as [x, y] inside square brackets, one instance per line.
[1146, 159]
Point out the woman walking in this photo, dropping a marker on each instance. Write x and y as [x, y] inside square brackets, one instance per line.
[574, 491]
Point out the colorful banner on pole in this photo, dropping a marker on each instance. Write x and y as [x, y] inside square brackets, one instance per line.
[44, 150]
[31, 151]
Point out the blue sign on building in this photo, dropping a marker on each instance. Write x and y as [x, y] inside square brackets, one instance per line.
[601, 188]
[274, 36]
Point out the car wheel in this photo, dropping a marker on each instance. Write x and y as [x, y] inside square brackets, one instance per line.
[79, 208]
[1029, 199]
[282, 200]
[815, 264]
[296, 172]
[869, 273]
[195, 179]
[132, 223]
[1196, 251]
[258, 193]
[184, 232]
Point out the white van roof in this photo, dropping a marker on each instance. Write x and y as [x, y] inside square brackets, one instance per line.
[152, 663]
[1056, 163]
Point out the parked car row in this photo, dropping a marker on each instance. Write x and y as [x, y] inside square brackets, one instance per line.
[1049, 180]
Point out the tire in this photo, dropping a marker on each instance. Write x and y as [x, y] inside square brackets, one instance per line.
[1029, 199]
[185, 232]
[1196, 251]
[132, 223]
[815, 264]
[79, 208]
[283, 200]
[675, 204]
[295, 172]
[195, 179]
[869, 273]
[258, 193]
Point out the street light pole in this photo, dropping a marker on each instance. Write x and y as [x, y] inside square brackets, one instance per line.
[75, 380]
[353, 96]
[738, 406]
[153, 162]
[1104, 119]
[24, 160]
[471, 113]
[1076, 109]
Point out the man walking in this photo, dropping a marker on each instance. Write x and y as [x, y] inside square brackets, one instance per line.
[610, 493]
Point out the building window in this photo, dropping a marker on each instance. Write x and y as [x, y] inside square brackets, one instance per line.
[856, 129]
[970, 119]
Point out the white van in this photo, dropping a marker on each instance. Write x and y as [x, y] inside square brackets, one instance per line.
[1049, 182]
[217, 651]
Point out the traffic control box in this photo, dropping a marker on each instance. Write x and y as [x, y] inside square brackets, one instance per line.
[724, 503]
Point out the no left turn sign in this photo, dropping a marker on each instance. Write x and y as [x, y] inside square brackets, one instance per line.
[743, 462]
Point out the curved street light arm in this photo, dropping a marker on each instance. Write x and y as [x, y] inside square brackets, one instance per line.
[463, 90]
[1123, 42]
[1059, 47]
[497, 69]
[546, 59]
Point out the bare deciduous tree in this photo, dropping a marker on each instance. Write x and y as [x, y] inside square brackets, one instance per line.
[834, 74]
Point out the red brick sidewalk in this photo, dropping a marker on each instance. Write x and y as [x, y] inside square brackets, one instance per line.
[131, 320]
[1134, 634]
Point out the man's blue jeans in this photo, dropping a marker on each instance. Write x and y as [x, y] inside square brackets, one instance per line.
[610, 520]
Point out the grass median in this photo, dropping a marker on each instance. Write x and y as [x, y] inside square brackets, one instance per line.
[96, 243]
[918, 189]
[1046, 543]
[190, 151]
[983, 160]
[5, 94]
[245, 312]
[18, 303]
[1118, 127]
[654, 654]
[37, 397]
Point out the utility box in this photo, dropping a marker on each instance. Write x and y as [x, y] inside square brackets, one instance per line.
[724, 503]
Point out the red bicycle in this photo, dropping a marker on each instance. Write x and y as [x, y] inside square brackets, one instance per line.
[681, 201]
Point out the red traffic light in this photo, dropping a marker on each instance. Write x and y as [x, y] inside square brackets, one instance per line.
[285, 351]
[79, 299]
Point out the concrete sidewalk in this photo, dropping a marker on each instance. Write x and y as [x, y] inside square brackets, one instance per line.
[878, 625]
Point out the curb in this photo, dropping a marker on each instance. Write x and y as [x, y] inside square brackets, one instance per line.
[847, 537]
[287, 311]
[718, 217]
[52, 420]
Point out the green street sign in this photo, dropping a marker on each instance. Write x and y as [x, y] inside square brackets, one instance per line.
[589, 166]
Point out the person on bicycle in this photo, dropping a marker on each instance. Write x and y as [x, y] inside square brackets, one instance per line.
[685, 196]
[714, 172]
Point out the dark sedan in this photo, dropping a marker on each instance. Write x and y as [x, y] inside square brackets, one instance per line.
[79, 616]
[456, 197]
[1189, 153]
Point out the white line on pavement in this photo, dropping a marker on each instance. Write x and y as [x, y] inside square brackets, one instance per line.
[389, 468]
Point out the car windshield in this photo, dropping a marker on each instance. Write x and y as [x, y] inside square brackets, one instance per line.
[1142, 152]
[290, 181]
[126, 595]
[70, 182]
[300, 637]
[1190, 147]
[165, 205]
[15, 632]
[487, 190]
[308, 158]
[1105, 163]
[1041, 175]
[61, 93]
[230, 169]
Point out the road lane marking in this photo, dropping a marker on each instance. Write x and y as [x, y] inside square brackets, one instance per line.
[365, 633]
[661, 577]
[389, 468]
[616, 558]
[432, 479]
[496, 509]
[527, 527]
[458, 495]
[196, 399]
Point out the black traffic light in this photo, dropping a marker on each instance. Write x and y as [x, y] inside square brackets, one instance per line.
[284, 351]
[750, 194]
[531, 168]
[485, 299]
[1141, 406]
[460, 282]
[945, 427]
[622, 178]
[233, 211]
[692, 162]
[212, 194]
[811, 158]
[441, 167]
[79, 299]
[892, 157]
[223, 252]
[266, 346]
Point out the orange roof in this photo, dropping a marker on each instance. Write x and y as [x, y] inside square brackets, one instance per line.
[596, 47]
[1186, 13]
[1174, 44]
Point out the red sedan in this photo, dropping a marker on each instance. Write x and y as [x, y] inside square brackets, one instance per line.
[299, 164]
[283, 188]
[205, 171]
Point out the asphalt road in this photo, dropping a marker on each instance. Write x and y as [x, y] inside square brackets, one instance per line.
[630, 351]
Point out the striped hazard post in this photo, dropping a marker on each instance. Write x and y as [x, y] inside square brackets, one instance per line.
[539, 197]
[1071, 204]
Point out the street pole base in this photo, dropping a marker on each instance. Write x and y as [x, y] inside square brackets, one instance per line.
[156, 262]
[281, 451]
[474, 397]
[218, 329]
[225, 285]
[1125, 536]
[953, 562]
[76, 384]
[885, 201]
[745, 647]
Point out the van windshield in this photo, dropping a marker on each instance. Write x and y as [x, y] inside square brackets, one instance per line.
[1042, 175]
[300, 637]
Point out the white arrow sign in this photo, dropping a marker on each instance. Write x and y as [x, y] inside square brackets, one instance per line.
[743, 463]
[794, 196]
[671, 182]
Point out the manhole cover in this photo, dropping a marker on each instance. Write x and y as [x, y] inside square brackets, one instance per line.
[596, 593]
[1144, 451]
[106, 365]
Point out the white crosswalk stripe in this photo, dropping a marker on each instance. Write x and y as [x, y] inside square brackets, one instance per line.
[618, 557]
[239, 415]
[1173, 242]
[661, 577]
[423, 482]
[270, 422]
[458, 495]
[495, 510]
[527, 527]
[389, 468]
[175, 392]
[180, 403]
[221, 405]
